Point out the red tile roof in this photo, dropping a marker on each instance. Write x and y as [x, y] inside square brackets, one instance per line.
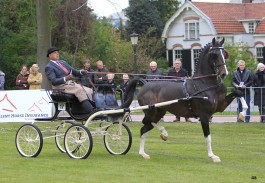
[226, 16]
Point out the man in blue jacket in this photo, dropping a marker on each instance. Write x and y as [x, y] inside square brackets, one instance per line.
[60, 74]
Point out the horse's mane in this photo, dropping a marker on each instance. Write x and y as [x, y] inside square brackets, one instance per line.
[202, 53]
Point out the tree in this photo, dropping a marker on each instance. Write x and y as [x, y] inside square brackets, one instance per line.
[44, 38]
[147, 18]
[142, 16]
[17, 36]
[73, 23]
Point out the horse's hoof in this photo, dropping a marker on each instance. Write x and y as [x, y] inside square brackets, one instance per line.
[145, 156]
[163, 137]
[216, 159]
[241, 117]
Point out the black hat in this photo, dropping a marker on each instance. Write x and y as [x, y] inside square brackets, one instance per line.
[50, 50]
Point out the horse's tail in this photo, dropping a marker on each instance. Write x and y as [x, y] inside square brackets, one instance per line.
[129, 93]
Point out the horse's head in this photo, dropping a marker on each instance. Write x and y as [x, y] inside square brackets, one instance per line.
[217, 58]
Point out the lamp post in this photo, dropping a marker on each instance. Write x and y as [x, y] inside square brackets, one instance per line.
[134, 40]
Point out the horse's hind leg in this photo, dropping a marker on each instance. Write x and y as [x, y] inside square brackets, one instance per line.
[163, 131]
[149, 121]
[207, 135]
[144, 132]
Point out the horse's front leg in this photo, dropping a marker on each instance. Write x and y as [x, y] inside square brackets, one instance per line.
[206, 132]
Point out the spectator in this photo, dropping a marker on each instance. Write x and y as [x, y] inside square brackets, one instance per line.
[154, 72]
[35, 78]
[259, 90]
[60, 74]
[98, 77]
[125, 82]
[242, 80]
[87, 80]
[22, 78]
[177, 72]
[123, 85]
[2, 80]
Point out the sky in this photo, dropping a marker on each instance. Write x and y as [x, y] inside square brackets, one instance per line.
[105, 8]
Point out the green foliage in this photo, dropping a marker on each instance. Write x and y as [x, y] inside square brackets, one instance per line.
[151, 45]
[142, 16]
[17, 36]
[238, 51]
[166, 8]
[73, 24]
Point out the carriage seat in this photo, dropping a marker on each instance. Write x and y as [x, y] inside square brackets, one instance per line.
[61, 96]
[105, 96]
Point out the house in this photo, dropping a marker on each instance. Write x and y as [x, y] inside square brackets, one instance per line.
[195, 24]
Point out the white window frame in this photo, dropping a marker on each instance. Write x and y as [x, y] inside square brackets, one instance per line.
[177, 54]
[195, 54]
[192, 30]
[259, 54]
[251, 27]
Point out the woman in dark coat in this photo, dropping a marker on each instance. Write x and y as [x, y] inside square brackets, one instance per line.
[259, 91]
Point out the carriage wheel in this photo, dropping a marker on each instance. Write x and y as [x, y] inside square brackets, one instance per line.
[29, 140]
[118, 139]
[78, 141]
[59, 135]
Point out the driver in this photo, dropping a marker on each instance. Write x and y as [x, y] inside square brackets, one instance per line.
[60, 74]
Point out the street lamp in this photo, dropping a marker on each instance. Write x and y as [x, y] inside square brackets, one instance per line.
[134, 40]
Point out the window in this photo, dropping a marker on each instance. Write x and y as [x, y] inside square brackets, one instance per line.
[196, 54]
[251, 27]
[178, 54]
[192, 30]
[259, 52]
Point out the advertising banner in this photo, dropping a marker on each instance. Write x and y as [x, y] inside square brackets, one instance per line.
[24, 105]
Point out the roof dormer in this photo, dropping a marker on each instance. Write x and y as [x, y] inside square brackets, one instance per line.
[250, 25]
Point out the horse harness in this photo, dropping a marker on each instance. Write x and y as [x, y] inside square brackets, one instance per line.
[197, 91]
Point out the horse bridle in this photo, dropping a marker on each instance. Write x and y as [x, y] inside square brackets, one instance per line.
[216, 67]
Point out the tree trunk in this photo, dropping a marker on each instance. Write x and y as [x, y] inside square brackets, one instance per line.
[44, 39]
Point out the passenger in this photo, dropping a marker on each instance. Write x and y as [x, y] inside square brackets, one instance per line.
[35, 78]
[22, 78]
[87, 80]
[60, 74]
[98, 77]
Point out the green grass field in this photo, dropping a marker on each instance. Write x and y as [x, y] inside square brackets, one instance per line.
[183, 158]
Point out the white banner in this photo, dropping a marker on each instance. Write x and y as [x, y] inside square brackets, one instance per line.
[24, 105]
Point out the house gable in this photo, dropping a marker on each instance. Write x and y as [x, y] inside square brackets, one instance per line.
[193, 14]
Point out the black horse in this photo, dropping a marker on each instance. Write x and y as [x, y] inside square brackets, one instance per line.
[204, 94]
